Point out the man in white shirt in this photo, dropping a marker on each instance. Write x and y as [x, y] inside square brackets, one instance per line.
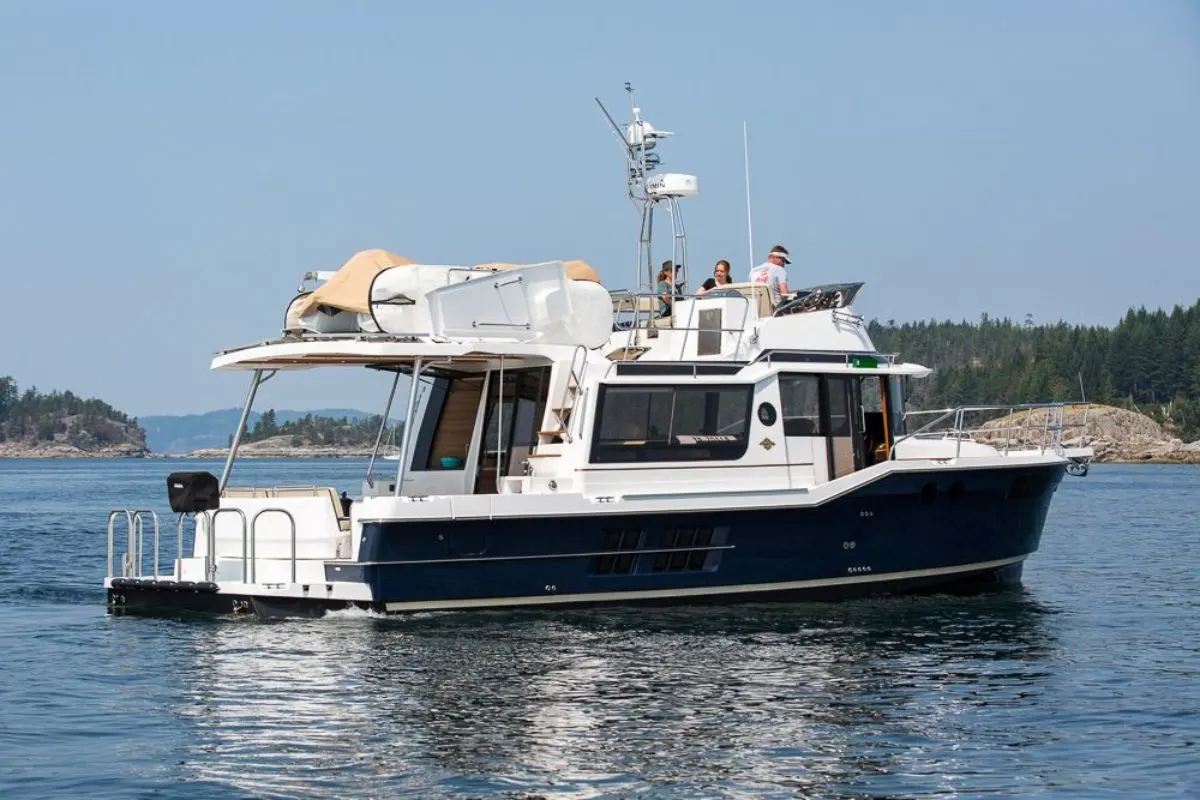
[772, 273]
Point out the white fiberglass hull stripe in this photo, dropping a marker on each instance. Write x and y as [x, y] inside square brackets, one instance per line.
[654, 594]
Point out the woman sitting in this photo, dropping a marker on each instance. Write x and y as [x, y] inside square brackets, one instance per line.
[720, 278]
[665, 288]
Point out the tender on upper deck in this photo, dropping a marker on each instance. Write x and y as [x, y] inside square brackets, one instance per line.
[381, 309]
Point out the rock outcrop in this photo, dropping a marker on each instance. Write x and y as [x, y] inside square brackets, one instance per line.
[286, 447]
[65, 450]
[76, 436]
[1117, 435]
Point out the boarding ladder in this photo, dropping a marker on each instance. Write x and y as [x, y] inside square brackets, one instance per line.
[561, 411]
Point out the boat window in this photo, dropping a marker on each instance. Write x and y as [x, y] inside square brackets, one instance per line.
[896, 405]
[800, 398]
[839, 405]
[445, 433]
[872, 402]
[520, 412]
[672, 423]
[690, 549]
[617, 560]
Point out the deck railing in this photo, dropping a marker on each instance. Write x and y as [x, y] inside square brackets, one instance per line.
[637, 312]
[1044, 427]
[132, 560]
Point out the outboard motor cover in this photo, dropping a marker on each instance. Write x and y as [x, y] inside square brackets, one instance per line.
[190, 492]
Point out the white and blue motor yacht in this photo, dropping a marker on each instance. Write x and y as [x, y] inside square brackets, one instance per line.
[566, 444]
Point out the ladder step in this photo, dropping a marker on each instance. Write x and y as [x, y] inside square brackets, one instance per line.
[543, 455]
[558, 432]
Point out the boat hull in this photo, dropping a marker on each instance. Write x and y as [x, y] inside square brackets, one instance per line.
[161, 601]
[939, 531]
[902, 531]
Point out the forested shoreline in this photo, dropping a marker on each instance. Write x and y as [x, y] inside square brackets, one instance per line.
[31, 419]
[1148, 362]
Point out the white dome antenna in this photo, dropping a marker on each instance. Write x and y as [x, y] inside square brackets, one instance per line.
[647, 190]
[672, 184]
[640, 133]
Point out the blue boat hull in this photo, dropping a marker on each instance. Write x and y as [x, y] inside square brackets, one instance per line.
[904, 532]
[961, 531]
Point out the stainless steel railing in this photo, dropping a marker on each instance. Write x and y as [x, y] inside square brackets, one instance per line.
[627, 302]
[133, 559]
[253, 543]
[1020, 426]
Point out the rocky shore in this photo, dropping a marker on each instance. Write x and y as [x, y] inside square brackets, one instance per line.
[63, 450]
[283, 447]
[1117, 435]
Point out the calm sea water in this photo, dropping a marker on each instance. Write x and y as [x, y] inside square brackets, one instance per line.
[1085, 683]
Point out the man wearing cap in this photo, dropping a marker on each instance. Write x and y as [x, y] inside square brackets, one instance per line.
[772, 273]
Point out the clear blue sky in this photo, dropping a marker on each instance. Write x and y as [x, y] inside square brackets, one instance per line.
[169, 170]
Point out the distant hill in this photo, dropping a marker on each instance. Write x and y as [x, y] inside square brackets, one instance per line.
[63, 425]
[186, 433]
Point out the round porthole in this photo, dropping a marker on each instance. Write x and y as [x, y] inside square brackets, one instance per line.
[766, 414]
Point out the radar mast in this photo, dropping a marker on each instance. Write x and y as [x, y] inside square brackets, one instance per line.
[647, 188]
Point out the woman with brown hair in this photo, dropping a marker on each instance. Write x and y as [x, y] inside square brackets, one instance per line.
[665, 287]
[721, 277]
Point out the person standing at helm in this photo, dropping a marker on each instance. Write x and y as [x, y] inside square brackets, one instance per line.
[772, 273]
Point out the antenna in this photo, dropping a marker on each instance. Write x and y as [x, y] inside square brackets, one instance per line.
[746, 166]
[616, 128]
[647, 187]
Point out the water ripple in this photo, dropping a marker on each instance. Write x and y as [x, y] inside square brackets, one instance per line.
[1083, 684]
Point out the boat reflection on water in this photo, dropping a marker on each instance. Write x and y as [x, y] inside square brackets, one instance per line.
[861, 696]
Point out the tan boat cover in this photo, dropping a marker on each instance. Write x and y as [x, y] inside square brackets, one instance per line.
[350, 285]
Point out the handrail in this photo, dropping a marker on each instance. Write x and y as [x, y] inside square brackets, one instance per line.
[253, 542]
[847, 358]
[1050, 437]
[634, 327]
[139, 525]
[178, 573]
[692, 313]
[132, 561]
[210, 557]
[112, 519]
[275, 488]
[578, 378]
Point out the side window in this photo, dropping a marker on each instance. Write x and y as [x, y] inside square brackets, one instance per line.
[666, 423]
[872, 400]
[635, 415]
[800, 399]
[896, 405]
[839, 404]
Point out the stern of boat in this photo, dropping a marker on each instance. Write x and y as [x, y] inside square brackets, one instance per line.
[245, 549]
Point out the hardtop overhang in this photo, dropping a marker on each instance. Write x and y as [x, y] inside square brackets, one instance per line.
[391, 354]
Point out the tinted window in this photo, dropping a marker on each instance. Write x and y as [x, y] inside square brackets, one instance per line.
[666, 423]
[800, 399]
[839, 405]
